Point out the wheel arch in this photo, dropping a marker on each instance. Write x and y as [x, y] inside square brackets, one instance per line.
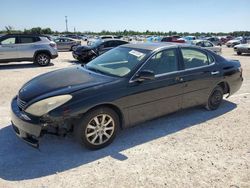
[42, 51]
[113, 107]
[225, 86]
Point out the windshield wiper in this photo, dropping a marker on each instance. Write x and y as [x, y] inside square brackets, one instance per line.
[94, 69]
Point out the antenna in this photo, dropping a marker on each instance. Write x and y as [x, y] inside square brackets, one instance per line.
[66, 22]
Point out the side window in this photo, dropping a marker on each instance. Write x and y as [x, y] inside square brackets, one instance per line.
[62, 40]
[199, 44]
[193, 58]
[211, 59]
[24, 40]
[107, 44]
[208, 44]
[162, 62]
[121, 43]
[57, 40]
[11, 40]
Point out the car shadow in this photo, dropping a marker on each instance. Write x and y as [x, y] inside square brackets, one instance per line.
[21, 66]
[19, 161]
[242, 55]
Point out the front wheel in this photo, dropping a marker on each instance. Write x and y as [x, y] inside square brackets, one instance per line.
[238, 53]
[42, 59]
[97, 128]
[215, 98]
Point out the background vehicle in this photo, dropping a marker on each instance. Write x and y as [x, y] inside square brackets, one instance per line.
[172, 39]
[242, 48]
[207, 45]
[87, 53]
[215, 40]
[65, 43]
[236, 41]
[128, 85]
[19, 47]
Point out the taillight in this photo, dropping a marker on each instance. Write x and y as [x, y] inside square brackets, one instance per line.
[53, 45]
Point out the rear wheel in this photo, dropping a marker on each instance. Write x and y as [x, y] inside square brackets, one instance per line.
[215, 98]
[42, 59]
[97, 128]
[238, 53]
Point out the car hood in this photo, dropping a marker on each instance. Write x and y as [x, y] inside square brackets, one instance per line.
[243, 46]
[232, 41]
[62, 81]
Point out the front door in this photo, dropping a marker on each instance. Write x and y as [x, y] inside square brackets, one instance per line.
[8, 48]
[154, 98]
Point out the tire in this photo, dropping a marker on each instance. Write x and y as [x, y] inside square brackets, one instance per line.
[42, 59]
[238, 53]
[73, 48]
[215, 98]
[97, 129]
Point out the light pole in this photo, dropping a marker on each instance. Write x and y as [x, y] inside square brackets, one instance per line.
[66, 21]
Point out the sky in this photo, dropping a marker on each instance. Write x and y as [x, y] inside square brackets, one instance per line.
[138, 15]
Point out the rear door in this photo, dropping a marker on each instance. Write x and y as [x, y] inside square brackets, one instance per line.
[8, 48]
[69, 43]
[26, 46]
[61, 44]
[199, 76]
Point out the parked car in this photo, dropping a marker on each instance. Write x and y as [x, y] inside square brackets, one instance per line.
[87, 53]
[242, 48]
[207, 45]
[128, 85]
[73, 36]
[20, 47]
[215, 40]
[234, 42]
[65, 43]
[172, 39]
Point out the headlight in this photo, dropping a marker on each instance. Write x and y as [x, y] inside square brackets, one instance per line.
[44, 106]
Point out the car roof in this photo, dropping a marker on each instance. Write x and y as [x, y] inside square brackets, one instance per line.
[26, 35]
[104, 40]
[154, 45]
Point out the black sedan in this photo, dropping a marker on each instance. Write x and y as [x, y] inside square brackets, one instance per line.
[123, 87]
[98, 47]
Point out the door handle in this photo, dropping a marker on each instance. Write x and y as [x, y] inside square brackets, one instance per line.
[179, 79]
[215, 72]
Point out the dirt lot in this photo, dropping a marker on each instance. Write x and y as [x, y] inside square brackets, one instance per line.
[192, 148]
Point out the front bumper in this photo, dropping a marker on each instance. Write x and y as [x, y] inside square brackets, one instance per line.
[54, 56]
[76, 56]
[27, 128]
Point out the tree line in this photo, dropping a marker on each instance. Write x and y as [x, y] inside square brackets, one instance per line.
[49, 31]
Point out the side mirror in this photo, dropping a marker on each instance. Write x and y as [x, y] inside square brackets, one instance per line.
[144, 75]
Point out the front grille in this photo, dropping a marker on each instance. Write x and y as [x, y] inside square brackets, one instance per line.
[21, 104]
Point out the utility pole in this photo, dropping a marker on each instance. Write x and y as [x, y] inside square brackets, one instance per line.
[66, 21]
[74, 30]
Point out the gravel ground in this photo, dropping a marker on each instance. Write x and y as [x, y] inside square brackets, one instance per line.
[191, 148]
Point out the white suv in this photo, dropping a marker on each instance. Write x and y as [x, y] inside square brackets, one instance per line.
[20, 47]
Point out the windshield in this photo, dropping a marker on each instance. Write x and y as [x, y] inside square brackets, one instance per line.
[95, 43]
[118, 62]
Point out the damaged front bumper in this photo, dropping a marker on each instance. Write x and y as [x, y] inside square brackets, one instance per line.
[27, 128]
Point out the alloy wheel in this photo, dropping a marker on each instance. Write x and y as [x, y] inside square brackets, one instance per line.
[42, 59]
[100, 129]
